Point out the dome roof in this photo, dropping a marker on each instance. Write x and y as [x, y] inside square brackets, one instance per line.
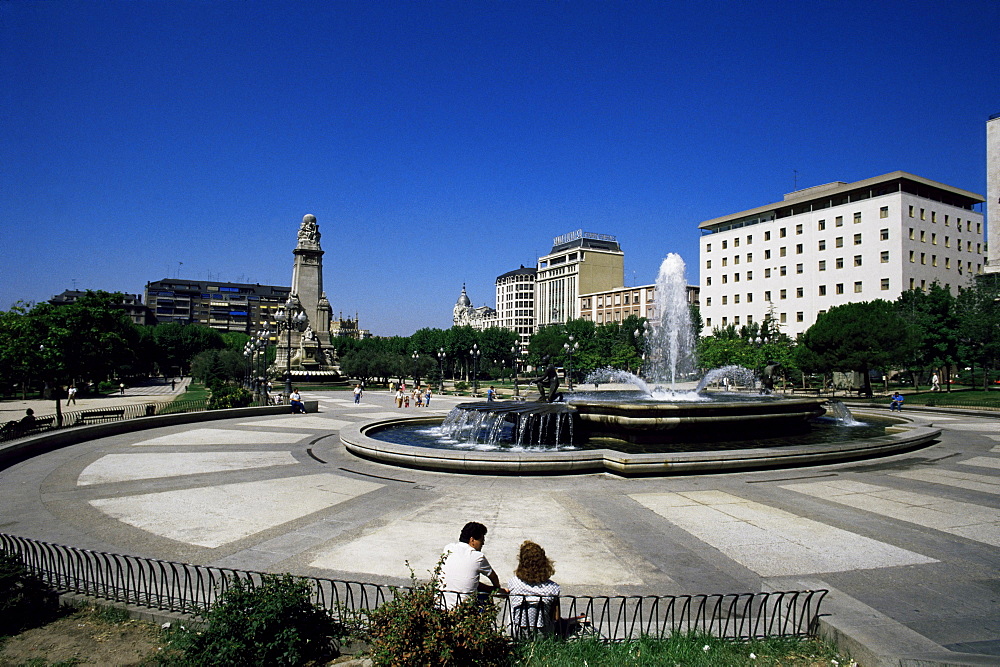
[463, 299]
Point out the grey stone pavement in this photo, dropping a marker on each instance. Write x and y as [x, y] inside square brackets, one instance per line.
[156, 389]
[910, 541]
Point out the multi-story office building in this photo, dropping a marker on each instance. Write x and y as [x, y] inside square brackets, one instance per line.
[222, 306]
[993, 191]
[579, 263]
[613, 306]
[838, 243]
[516, 302]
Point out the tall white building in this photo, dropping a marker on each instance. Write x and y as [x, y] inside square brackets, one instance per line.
[838, 243]
[516, 302]
[579, 263]
[993, 191]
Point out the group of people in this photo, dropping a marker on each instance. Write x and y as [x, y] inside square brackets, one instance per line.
[533, 596]
[421, 397]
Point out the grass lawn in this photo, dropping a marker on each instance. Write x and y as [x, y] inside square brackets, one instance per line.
[969, 398]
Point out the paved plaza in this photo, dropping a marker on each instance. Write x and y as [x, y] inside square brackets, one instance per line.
[914, 537]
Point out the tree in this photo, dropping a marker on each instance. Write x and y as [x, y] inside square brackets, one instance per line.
[859, 337]
[934, 316]
[977, 310]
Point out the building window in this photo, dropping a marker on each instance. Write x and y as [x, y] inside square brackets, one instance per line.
[725, 299]
[822, 265]
[947, 262]
[736, 259]
[857, 217]
[724, 244]
[933, 239]
[884, 257]
[933, 216]
[783, 294]
[708, 281]
[767, 254]
[923, 236]
[822, 245]
[725, 261]
[857, 287]
[857, 260]
[840, 288]
[798, 229]
[749, 257]
[923, 258]
[736, 319]
[885, 284]
[736, 277]
[798, 249]
[911, 211]
[749, 297]
[725, 278]
[947, 242]
[767, 273]
[839, 221]
[799, 316]
[883, 235]
[883, 212]
[799, 292]
[912, 282]
[767, 295]
[708, 263]
[946, 222]
[923, 214]
[822, 290]
[783, 317]
[749, 240]
[839, 242]
[736, 298]
[857, 239]
[708, 247]
[911, 233]
[782, 251]
[839, 262]
[708, 322]
[821, 225]
[781, 233]
[736, 243]
[782, 270]
[933, 260]
[767, 236]
[749, 275]
[798, 268]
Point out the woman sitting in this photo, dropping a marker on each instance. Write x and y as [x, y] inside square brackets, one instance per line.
[534, 597]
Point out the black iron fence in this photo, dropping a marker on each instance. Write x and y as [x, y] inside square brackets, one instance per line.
[181, 587]
[13, 430]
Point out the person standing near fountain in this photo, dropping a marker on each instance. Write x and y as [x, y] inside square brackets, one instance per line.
[464, 563]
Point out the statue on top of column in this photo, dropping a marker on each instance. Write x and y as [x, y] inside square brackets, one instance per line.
[309, 231]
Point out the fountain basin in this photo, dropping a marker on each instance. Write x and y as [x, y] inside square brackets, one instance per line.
[649, 422]
[903, 435]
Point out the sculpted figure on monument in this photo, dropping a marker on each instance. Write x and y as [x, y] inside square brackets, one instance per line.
[309, 231]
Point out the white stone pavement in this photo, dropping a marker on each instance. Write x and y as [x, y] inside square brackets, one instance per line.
[913, 536]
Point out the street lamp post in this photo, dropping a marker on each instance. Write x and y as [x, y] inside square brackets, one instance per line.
[475, 353]
[441, 357]
[288, 318]
[570, 348]
[415, 356]
[513, 354]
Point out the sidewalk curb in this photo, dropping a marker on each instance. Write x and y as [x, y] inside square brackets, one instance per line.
[872, 638]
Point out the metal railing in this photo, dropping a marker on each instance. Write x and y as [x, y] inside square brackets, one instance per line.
[14, 429]
[185, 588]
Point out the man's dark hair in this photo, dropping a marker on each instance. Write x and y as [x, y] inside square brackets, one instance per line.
[472, 529]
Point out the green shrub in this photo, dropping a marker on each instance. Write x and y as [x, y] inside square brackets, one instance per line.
[272, 623]
[229, 396]
[461, 385]
[25, 601]
[413, 630]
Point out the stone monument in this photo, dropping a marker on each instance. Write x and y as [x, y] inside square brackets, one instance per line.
[310, 345]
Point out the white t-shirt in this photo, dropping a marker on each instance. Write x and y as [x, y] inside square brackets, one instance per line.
[460, 572]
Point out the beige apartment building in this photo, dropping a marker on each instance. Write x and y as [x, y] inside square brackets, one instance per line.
[579, 263]
[613, 306]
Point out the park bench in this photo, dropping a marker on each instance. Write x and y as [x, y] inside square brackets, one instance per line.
[18, 429]
[98, 416]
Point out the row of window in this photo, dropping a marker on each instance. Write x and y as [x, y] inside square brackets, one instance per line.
[839, 288]
[858, 260]
[839, 222]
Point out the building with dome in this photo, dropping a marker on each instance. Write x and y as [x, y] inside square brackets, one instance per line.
[466, 315]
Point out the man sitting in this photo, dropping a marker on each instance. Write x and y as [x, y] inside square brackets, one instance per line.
[463, 564]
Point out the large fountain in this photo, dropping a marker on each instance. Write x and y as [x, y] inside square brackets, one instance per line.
[664, 421]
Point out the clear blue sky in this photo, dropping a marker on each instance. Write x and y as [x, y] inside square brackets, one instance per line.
[442, 143]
